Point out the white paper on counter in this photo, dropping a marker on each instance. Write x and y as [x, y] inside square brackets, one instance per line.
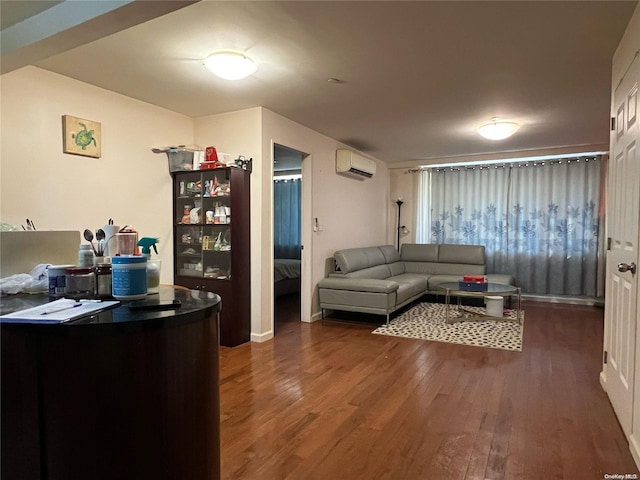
[58, 311]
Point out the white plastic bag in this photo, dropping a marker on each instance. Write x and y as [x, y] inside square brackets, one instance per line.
[34, 282]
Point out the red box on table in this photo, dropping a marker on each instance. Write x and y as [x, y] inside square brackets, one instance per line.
[474, 278]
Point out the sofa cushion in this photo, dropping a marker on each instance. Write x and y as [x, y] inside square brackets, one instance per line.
[359, 285]
[390, 253]
[379, 271]
[442, 259]
[397, 268]
[409, 286]
[352, 259]
[419, 252]
[456, 269]
[425, 268]
[357, 301]
[467, 254]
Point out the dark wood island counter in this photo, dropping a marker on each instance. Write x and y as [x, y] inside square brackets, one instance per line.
[121, 394]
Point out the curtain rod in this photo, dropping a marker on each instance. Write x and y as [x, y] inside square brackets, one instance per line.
[288, 178]
[515, 163]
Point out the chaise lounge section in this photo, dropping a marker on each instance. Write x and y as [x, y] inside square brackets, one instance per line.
[379, 280]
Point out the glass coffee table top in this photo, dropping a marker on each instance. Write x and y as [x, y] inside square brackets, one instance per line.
[492, 288]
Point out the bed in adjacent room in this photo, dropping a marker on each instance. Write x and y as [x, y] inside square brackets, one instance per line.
[286, 276]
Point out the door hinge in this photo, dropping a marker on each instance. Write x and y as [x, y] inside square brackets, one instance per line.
[606, 356]
[613, 123]
[608, 243]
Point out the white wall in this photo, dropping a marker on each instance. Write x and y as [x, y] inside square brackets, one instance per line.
[351, 212]
[59, 191]
[239, 133]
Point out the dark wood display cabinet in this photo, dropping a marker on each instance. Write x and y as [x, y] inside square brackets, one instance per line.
[211, 235]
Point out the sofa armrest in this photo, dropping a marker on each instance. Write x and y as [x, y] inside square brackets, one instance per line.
[359, 284]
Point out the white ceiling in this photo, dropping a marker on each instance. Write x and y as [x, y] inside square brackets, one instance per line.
[419, 76]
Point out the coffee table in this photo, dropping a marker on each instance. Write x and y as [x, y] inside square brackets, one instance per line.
[498, 289]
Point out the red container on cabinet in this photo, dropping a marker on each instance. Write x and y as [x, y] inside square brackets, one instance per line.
[211, 155]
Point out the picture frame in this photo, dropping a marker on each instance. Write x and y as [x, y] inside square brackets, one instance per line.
[81, 136]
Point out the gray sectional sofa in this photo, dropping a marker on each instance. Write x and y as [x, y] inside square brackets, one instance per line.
[380, 280]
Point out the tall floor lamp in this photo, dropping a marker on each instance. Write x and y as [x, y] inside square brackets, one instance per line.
[399, 202]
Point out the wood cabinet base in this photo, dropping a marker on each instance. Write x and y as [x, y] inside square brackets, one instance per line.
[131, 404]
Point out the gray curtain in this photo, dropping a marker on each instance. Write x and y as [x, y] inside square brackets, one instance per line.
[538, 221]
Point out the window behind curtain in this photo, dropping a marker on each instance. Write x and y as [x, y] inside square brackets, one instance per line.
[286, 215]
[539, 222]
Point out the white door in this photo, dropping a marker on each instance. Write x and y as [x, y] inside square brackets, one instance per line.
[623, 214]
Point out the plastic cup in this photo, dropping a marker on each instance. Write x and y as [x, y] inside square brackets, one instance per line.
[127, 243]
[153, 275]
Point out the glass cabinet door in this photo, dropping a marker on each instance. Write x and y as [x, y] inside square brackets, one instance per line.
[203, 224]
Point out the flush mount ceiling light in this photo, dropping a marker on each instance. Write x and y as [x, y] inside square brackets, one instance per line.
[498, 129]
[230, 65]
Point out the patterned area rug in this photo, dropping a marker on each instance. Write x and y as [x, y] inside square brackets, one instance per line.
[426, 321]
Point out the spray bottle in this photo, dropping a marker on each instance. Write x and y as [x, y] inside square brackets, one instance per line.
[153, 266]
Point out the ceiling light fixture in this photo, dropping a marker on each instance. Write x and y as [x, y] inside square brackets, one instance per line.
[230, 65]
[498, 129]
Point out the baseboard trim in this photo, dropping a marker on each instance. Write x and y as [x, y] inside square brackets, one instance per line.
[588, 301]
[634, 448]
[262, 337]
[603, 380]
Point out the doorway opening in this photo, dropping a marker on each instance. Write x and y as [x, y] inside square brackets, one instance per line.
[287, 235]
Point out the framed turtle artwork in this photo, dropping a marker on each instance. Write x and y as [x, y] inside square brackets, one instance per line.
[81, 137]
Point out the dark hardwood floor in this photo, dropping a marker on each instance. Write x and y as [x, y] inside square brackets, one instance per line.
[329, 400]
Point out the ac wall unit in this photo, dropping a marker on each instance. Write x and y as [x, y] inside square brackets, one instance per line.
[349, 162]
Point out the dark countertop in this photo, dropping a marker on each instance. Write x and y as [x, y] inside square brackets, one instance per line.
[192, 302]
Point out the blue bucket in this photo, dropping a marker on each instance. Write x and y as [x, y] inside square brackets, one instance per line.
[129, 277]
